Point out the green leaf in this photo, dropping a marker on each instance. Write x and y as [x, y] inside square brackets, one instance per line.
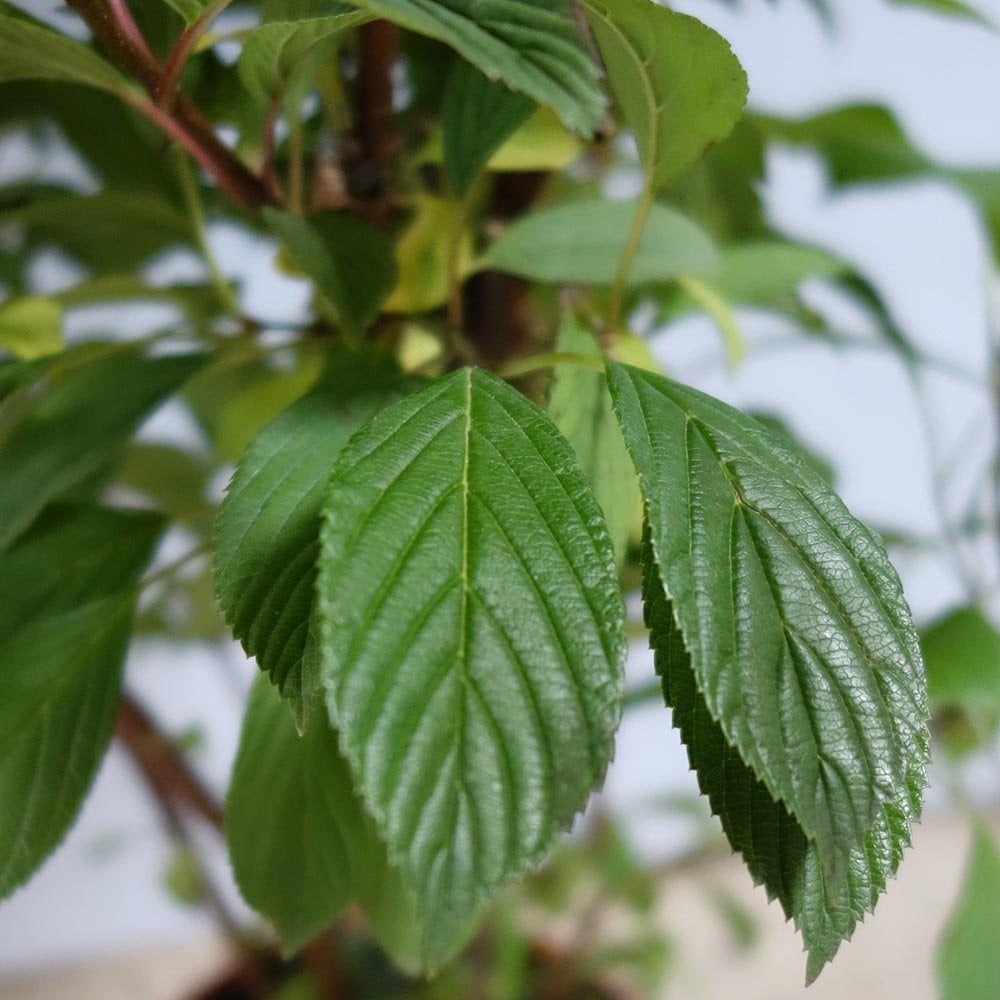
[297, 835]
[583, 241]
[351, 262]
[800, 640]
[80, 411]
[190, 10]
[31, 327]
[962, 655]
[471, 637]
[779, 429]
[278, 56]
[267, 531]
[677, 81]
[198, 302]
[580, 406]
[29, 51]
[967, 959]
[477, 117]
[776, 851]
[530, 45]
[955, 7]
[68, 600]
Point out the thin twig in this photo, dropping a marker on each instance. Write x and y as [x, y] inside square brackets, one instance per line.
[166, 87]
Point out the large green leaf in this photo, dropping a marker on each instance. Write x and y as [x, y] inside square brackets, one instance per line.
[962, 653]
[301, 845]
[471, 635]
[583, 242]
[968, 960]
[30, 51]
[679, 86]
[580, 407]
[267, 531]
[351, 262]
[530, 45]
[277, 56]
[478, 116]
[72, 420]
[800, 640]
[68, 591]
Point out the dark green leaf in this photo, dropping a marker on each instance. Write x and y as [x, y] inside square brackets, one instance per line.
[801, 643]
[968, 960]
[677, 81]
[583, 242]
[530, 45]
[267, 531]
[471, 635]
[477, 117]
[580, 407]
[351, 262]
[73, 421]
[68, 591]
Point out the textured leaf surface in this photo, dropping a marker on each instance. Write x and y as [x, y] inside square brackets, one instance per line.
[801, 642]
[968, 960]
[64, 623]
[267, 531]
[677, 81]
[531, 45]
[301, 846]
[580, 407]
[583, 242]
[472, 638]
[29, 51]
[85, 406]
[477, 116]
[351, 262]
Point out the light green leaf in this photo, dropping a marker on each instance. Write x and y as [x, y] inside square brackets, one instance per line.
[477, 116]
[801, 643]
[962, 654]
[64, 623]
[351, 262]
[530, 45]
[277, 57]
[471, 636]
[583, 242]
[301, 845]
[580, 407]
[190, 10]
[31, 327]
[81, 409]
[29, 51]
[968, 960]
[197, 301]
[267, 531]
[679, 86]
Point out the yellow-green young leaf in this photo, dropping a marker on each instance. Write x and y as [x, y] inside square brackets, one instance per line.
[677, 82]
[423, 254]
[583, 242]
[530, 45]
[31, 327]
[580, 407]
[190, 10]
[65, 617]
[277, 57]
[301, 845]
[471, 638]
[267, 531]
[82, 407]
[477, 116]
[968, 960]
[801, 643]
[351, 262]
[962, 653]
[29, 51]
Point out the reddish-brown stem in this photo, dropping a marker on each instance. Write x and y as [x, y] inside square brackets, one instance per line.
[377, 46]
[244, 187]
[177, 59]
[126, 24]
[162, 765]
